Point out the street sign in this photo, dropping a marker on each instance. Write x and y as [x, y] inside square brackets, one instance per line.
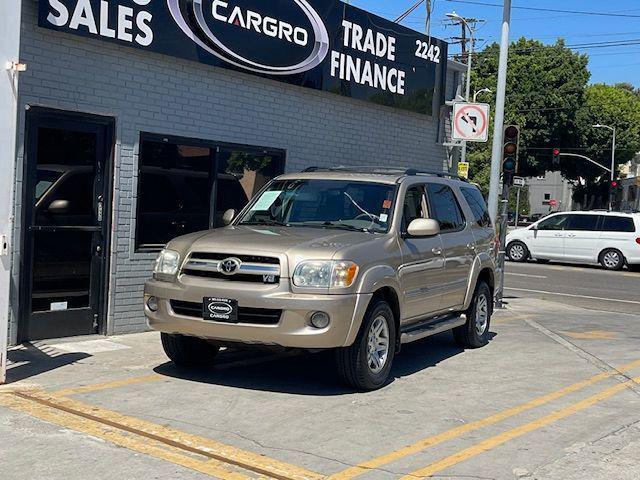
[470, 122]
[463, 170]
[519, 182]
[553, 203]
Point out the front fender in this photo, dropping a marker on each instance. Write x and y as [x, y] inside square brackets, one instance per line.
[482, 261]
[372, 280]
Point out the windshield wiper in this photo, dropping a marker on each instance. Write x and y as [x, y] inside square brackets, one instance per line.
[345, 227]
[262, 221]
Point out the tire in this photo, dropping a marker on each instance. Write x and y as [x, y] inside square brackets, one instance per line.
[612, 259]
[188, 351]
[542, 260]
[475, 333]
[517, 251]
[356, 366]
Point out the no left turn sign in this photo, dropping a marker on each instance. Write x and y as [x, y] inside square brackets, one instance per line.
[471, 122]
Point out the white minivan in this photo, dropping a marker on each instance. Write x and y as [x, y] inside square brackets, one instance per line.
[611, 239]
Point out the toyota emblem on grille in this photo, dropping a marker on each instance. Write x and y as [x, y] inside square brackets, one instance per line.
[229, 266]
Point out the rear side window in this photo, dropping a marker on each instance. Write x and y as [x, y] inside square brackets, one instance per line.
[445, 208]
[582, 222]
[618, 224]
[478, 206]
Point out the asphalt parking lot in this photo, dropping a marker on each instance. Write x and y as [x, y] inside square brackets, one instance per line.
[556, 394]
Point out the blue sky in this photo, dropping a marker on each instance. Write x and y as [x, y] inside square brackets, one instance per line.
[608, 65]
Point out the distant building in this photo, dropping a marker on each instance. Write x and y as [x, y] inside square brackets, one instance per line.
[543, 190]
[630, 200]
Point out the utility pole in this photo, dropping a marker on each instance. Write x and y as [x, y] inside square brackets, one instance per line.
[498, 129]
[469, 24]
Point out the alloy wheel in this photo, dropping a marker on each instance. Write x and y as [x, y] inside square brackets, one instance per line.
[378, 344]
[482, 314]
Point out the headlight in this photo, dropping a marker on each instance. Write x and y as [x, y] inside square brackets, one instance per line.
[167, 264]
[325, 274]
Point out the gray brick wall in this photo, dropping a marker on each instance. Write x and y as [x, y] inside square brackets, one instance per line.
[160, 94]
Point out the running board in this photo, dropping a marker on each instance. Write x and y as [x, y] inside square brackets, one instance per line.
[421, 330]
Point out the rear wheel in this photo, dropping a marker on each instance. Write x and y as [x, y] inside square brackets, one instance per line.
[612, 259]
[475, 333]
[366, 364]
[517, 251]
[188, 351]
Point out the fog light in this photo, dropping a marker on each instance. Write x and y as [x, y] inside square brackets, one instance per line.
[320, 320]
[152, 304]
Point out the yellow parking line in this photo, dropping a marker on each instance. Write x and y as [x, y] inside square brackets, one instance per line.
[495, 441]
[107, 385]
[501, 319]
[468, 427]
[175, 438]
[99, 430]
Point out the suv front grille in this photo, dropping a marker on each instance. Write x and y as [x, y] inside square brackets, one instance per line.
[251, 268]
[256, 316]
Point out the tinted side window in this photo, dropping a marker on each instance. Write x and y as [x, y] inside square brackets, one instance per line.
[583, 222]
[557, 222]
[478, 206]
[413, 205]
[618, 224]
[444, 207]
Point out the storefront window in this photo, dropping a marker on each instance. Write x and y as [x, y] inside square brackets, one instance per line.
[177, 179]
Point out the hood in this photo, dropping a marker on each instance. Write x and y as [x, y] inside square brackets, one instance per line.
[291, 243]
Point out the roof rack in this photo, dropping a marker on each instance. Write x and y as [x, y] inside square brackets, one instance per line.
[383, 170]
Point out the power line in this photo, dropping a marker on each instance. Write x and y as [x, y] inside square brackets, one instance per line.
[554, 10]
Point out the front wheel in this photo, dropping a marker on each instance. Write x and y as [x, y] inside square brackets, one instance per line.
[188, 351]
[475, 333]
[517, 251]
[366, 364]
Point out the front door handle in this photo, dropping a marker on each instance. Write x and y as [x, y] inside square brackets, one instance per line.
[436, 250]
[471, 246]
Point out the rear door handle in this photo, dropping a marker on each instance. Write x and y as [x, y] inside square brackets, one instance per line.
[471, 246]
[436, 250]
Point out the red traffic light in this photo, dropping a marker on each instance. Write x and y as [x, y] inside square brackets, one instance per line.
[614, 183]
[556, 151]
[511, 131]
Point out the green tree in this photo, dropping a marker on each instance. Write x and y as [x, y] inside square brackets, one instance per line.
[618, 107]
[545, 89]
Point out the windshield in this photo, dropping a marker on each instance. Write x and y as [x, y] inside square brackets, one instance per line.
[343, 204]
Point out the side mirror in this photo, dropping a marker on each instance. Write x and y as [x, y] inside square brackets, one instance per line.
[228, 216]
[59, 207]
[423, 227]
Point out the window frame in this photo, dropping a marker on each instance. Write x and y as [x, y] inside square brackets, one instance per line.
[465, 222]
[216, 147]
[425, 205]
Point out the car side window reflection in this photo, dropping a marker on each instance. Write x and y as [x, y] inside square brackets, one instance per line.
[558, 222]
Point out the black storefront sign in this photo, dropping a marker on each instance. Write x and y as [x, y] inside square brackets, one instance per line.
[320, 44]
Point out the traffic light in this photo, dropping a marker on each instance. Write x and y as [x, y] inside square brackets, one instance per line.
[510, 152]
[556, 157]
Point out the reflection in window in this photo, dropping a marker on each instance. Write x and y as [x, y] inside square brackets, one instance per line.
[176, 179]
[444, 207]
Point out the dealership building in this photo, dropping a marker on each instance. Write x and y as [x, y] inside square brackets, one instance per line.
[140, 120]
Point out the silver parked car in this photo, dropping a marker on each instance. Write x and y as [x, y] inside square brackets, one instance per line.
[359, 261]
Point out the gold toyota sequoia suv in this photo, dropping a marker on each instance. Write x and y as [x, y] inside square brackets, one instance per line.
[355, 260]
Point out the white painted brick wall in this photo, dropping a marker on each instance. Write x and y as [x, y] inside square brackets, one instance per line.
[160, 94]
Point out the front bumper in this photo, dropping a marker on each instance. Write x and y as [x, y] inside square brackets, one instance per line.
[293, 330]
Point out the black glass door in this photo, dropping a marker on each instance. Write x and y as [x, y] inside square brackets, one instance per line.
[66, 219]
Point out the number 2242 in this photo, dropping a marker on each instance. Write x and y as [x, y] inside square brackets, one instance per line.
[428, 52]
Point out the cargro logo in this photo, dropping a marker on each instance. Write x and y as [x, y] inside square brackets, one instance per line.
[220, 308]
[279, 37]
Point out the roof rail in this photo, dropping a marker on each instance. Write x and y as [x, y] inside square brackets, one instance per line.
[384, 170]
